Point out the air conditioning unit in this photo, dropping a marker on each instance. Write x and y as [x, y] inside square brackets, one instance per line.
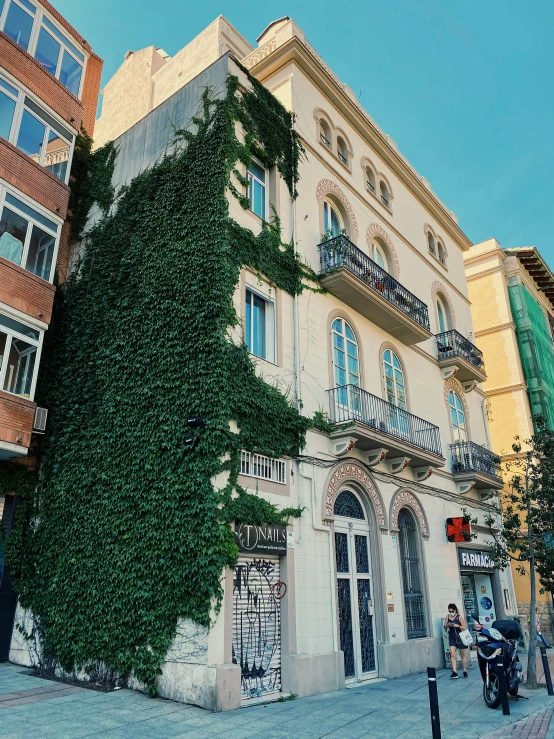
[39, 425]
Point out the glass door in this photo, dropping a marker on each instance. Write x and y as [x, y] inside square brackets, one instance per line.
[355, 600]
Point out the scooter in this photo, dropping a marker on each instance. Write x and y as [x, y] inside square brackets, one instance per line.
[498, 639]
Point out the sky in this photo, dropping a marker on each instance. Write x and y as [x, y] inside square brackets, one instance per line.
[464, 87]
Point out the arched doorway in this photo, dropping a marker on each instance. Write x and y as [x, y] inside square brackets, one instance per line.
[354, 587]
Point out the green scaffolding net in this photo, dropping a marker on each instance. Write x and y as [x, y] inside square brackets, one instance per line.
[536, 349]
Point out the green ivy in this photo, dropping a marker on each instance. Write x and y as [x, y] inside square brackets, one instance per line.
[129, 532]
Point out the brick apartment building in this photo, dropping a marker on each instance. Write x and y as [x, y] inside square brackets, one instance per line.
[49, 84]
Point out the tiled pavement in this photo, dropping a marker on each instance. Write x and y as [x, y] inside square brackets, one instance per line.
[31, 707]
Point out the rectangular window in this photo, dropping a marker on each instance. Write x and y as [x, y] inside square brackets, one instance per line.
[50, 46]
[257, 192]
[266, 468]
[19, 346]
[7, 110]
[24, 240]
[19, 23]
[260, 326]
[44, 140]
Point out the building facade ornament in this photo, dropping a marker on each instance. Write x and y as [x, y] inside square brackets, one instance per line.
[350, 471]
[406, 499]
[328, 187]
[374, 230]
[438, 287]
[258, 54]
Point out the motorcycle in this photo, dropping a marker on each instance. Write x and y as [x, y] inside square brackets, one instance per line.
[498, 639]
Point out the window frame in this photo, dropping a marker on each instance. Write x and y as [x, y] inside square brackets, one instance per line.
[20, 108]
[251, 176]
[11, 334]
[400, 368]
[456, 426]
[441, 308]
[328, 204]
[62, 37]
[376, 247]
[420, 571]
[270, 326]
[5, 190]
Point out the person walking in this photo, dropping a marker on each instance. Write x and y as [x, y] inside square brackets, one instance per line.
[455, 623]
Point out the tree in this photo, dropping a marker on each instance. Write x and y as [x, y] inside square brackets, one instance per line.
[526, 515]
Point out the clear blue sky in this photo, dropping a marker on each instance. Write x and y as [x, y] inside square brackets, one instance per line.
[464, 87]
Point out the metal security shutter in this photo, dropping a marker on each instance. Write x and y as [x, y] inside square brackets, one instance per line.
[257, 626]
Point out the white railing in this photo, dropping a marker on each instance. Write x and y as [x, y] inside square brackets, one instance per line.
[266, 468]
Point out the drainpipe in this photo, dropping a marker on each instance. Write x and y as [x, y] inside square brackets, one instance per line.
[486, 422]
[296, 316]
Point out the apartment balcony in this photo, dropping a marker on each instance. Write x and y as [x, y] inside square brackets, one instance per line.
[475, 467]
[459, 355]
[375, 425]
[16, 425]
[354, 278]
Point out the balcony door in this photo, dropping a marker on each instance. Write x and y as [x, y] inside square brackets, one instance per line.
[354, 588]
[346, 371]
[396, 395]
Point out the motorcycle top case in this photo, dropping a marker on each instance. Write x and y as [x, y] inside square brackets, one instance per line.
[508, 629]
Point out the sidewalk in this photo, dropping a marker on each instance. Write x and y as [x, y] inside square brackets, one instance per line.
[31, 707]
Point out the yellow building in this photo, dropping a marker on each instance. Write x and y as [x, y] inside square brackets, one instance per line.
[512, 296]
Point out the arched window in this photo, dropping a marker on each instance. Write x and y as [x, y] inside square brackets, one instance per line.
[385, 196]
[394, 379]
[370, 179]
[442, 315]
[442, 253]
[431, 242]
[457, 416]
[346, 366]
[342, 151]
[332, 222]
[414, 607]
[348, 505]
[378, 254]
[324, 133]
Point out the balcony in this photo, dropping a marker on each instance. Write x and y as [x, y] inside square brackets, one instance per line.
[475, 467]
[354, 278]
[456, 352]
[375, 424]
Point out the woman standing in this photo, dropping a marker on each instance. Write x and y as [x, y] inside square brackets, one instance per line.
[455, 623]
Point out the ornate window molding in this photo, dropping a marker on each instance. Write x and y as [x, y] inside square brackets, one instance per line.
[438, 287]
[374, 230]
[328, 187]
[352, 472]
[404, 498]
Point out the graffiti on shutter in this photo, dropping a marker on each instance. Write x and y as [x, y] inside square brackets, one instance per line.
[257, 626]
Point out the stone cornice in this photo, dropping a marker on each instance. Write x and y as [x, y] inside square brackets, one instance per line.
[294, 50]
[493, 329]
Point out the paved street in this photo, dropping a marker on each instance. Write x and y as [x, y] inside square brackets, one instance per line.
[31, 707]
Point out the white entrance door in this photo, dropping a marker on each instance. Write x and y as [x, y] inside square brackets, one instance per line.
[354, 586]
[257, 626]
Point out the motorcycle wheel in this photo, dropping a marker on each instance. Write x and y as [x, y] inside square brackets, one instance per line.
[491, 694]
[514, 691]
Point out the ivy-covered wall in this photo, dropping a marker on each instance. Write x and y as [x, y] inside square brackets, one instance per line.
[126, 532]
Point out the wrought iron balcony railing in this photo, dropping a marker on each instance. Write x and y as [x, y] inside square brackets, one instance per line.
[467, 456]
[453, 344]
[342, 158]
[341, 252]
[351, 403]
[324, 140]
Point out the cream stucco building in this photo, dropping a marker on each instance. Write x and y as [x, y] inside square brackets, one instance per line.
[358, 586]
[512, 297]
